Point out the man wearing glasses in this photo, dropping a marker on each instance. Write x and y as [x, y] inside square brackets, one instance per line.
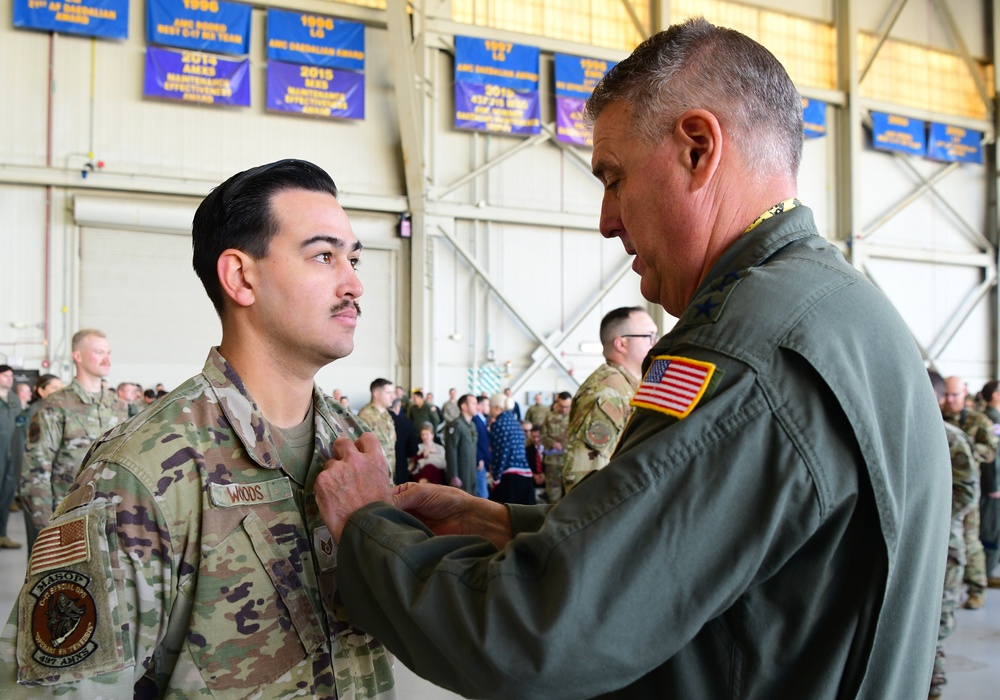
[601, 406]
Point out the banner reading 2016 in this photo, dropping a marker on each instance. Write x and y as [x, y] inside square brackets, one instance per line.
[203, 25]
[576, 78]
[496, 86]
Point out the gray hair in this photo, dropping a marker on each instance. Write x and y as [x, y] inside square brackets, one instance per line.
[696, 65]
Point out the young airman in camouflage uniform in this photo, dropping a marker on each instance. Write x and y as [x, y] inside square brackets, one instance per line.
[537, 412]
[601, 404]
[189, 559]
[555, 432]
[375, 415]
[984, 447]
[65, 426]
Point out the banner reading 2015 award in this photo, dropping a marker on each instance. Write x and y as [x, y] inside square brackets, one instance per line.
[315, 90]
[496, 86]
[100, 18]
[203, 25]
[576, 78]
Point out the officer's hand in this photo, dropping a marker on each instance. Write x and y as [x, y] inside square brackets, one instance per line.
[356, 476]
[448, 511]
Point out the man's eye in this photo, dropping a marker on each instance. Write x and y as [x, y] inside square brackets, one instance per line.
[324, 257]
[611, 185]
[355, 262]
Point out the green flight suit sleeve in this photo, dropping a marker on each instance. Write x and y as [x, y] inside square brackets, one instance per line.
[622, 573]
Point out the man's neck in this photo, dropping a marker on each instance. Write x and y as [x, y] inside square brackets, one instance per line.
[90, 383]
[281, 389]
[4, 393]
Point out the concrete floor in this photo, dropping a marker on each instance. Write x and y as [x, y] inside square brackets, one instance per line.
[973, 650]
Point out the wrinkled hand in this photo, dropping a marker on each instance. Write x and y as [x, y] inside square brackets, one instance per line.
[355, 477]
[448, 511]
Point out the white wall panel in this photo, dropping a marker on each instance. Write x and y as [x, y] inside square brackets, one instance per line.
[22, 262]
[24, 71]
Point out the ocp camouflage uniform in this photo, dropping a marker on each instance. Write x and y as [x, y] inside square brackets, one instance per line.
[66, 425]
[190, 560]
[536, 414]
[384, 428]
[964, 495]
[554, 429]
[984, 448]
[597, 417]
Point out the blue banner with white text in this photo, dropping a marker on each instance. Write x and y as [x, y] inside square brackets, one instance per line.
[202, 25]
[319, 40]
[955, 144]
[315, 90]
[891, 132]
[195, 76]
[106, 19]
[496, 86]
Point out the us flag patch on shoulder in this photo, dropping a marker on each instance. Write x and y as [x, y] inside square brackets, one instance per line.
[60, 545]
[673, 385]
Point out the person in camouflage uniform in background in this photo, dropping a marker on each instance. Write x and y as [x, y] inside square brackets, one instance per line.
[537, 412]
[189, 559]
[984, 448]
[555, 432]
[65, 426]
[375, 415]
[964, 496]
[601, 404]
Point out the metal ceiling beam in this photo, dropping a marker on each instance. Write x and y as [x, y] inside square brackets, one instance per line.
[511, 307]
[885, 27]
[961, 314]
[640, 26]
[925, 185]
[963, 51]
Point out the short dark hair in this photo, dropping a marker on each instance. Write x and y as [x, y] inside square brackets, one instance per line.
[463, 399]
[989, 388]
[937, 383]
[378, 384]
[149, 393]
[237, 214]
[613, 321]
[563, 395]
[418, 393]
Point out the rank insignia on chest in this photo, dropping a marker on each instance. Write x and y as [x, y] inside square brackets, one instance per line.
[673, 385]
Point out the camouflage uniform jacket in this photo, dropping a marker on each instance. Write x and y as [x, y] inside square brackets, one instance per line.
[598, 415]
[964, 486]
[536, 415]
[188, 562]
[980, 428]
[383, 427]
[65, 426]
[555, 429]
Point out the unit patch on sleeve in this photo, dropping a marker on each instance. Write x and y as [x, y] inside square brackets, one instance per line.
[673, 385]
[63, 619]
[60, 545]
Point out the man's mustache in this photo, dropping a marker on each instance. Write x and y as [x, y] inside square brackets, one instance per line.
[344, 305]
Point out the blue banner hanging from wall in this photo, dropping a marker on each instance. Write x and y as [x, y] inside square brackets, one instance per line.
[106, 19]
[891, 132]
[319, 40]
[496, 86]
[198, 77]
[955, 144]
[202, 25]
[813, 118]
[315, 90]
[576, 78]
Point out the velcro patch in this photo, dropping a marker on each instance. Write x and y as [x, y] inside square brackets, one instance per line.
[60, 545]
[232, 495]
[673, 385]
[63, 619]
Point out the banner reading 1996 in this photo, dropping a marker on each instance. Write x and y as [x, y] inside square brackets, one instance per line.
[194, 76]
[317, 40]
[955, 144]
[496, 86]
[203, 25]
[576, 78]
[101, 18]
[315, 90]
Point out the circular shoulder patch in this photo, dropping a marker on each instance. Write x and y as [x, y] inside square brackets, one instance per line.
[599, 432]
[64, 619]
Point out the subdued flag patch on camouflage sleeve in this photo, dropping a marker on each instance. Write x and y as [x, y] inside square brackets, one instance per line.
[673, 385]
[60, 545]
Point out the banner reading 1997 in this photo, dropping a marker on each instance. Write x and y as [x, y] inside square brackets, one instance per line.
[194, 76]
[576, 78]
[496, 86]
[100, 18]
[203, 25]
[317, 40]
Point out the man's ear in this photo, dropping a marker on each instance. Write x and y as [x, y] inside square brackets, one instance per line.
[237, 275]
[700, 135]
